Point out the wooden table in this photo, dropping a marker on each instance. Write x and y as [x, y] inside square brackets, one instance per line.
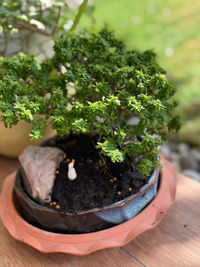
[175, 242]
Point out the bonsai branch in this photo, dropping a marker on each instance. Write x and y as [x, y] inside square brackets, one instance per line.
[57, 21]
[106, 169]
[5, 34]
[80, 12]
[41, 12]
[27, 26]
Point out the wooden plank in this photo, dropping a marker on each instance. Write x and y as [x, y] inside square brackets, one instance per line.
[115, 257]
[176, 242]
[14, 253]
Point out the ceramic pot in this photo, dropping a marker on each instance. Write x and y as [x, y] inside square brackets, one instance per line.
[14, 140]
[85, 221]
[81, 244]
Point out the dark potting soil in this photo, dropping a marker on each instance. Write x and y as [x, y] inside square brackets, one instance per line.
[95, 185]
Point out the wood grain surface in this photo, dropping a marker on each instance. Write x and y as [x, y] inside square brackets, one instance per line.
[174, 243]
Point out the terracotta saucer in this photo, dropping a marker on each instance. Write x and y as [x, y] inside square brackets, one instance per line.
[82, 244]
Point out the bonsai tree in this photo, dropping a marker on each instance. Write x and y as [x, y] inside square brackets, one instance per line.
[93, 85]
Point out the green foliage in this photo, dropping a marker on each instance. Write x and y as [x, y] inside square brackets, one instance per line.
[111, 85]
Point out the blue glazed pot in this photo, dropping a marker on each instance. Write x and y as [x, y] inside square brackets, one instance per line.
[86, 221]
[129, 207]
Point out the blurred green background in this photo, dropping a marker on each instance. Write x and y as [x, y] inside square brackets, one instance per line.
[172, 29]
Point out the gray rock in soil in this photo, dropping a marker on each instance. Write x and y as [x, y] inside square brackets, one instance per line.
[38, 166]
[192, 174]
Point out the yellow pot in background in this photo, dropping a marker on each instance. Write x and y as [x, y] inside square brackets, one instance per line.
[13, 141]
